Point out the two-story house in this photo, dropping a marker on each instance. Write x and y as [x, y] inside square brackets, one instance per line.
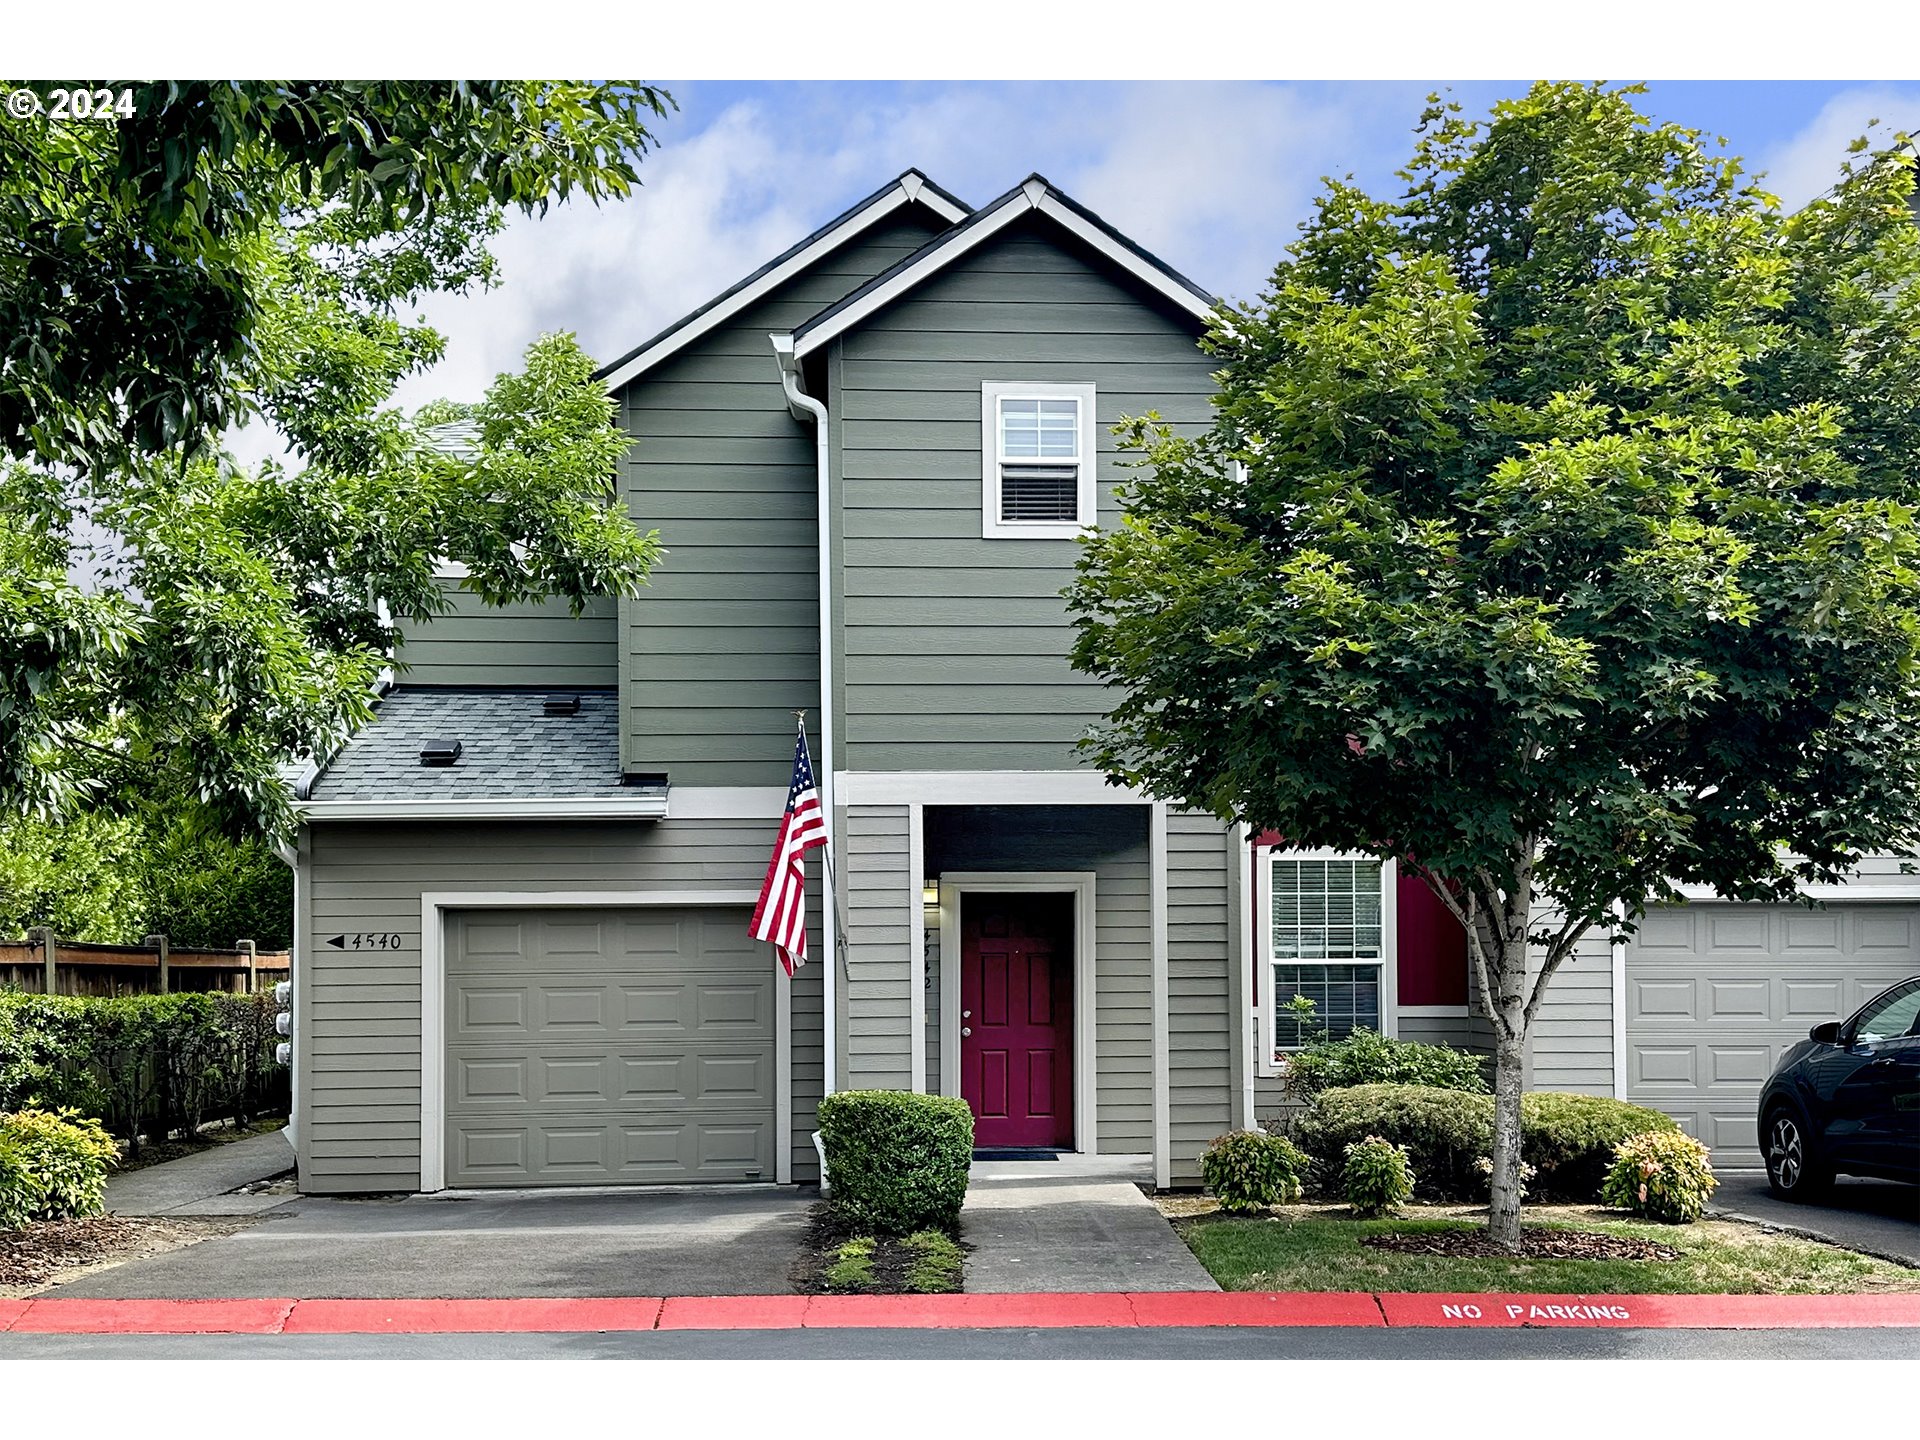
[523, 893]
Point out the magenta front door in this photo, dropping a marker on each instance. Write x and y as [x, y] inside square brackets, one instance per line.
[1016, 1018]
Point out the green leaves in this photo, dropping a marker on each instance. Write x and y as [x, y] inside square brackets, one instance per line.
[1559, 515]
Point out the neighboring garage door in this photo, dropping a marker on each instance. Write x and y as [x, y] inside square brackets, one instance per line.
[596, 1047]
[1715, 993]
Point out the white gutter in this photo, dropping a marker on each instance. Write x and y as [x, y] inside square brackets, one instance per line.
[594, 807]
[805, 407]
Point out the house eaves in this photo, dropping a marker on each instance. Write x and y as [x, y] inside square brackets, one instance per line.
[910, 188]
[1034, 195]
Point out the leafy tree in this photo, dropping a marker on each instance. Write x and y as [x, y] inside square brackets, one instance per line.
[172, 623]
[1557, 536]
[116, 878]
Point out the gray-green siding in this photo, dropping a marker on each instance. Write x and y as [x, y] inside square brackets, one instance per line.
[1111, 841]
[359, 1028]
[875, 899]
[541, 643]
[1202, 1027]
[724, 643]
[1571, 1045]
[951, 649]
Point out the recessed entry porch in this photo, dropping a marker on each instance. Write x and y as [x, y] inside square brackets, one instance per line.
[1029, 982]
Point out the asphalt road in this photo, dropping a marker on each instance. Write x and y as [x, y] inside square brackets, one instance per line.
[1120, 1344]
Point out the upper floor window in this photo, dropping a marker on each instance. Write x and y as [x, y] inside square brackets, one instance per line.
[1038, 482]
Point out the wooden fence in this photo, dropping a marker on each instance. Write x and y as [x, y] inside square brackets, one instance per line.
[45, 965]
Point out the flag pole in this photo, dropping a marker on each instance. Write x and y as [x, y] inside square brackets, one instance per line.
[826, 862]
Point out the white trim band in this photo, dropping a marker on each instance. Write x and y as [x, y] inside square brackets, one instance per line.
[596, 807]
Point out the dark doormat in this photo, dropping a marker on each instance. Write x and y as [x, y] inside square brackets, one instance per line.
[1014, 1153]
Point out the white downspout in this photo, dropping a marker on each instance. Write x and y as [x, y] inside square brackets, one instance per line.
[805, 407]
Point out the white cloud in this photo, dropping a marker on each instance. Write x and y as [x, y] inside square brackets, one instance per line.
[1806, 166]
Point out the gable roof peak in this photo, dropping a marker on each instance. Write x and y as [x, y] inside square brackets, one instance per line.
[911, 187]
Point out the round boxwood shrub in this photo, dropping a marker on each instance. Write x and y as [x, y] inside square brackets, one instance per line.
[52, 1166]
[1377, 1178]
[1248, 1170]
[896, 1162]
[1570, 1139]
[1368, 1058]
[1664, 1175]
[1444, 1132]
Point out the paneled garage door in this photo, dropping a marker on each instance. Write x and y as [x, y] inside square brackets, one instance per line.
[1715, 993]
[595, 1047]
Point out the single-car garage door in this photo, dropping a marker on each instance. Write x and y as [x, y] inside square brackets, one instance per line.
[596, 1047]
[1715, 993]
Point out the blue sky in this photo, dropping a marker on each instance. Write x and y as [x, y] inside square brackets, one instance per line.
[1214, 177]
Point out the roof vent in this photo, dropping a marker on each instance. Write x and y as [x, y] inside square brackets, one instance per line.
[439, 752]
[561, 705]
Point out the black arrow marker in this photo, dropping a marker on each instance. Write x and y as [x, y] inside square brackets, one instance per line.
[339, 942]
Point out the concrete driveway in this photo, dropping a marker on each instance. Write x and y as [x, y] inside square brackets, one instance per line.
[736, 1242]
[1875, 1216]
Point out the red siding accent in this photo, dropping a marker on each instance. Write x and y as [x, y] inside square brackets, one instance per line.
[1433, 948]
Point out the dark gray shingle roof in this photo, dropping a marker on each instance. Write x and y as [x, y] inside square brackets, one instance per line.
[510, 749]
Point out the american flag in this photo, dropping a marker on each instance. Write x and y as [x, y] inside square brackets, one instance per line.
[781, 915]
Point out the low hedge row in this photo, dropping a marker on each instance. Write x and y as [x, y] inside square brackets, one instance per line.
[145, 1064]
[52, 1166]
[1568, 1139]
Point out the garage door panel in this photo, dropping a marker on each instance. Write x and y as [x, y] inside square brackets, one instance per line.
[608, 1047]
[1717, 993]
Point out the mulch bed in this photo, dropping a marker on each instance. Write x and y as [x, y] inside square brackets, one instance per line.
[56, 1251]
[1535, 1244]
[891, 1259]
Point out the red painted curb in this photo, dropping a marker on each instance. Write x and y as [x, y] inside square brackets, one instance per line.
[734, 1312]
[968, 1312]
[153, 1317]
[447, 1317]
[1206, 1307]
[1667, 1312]
[958, 1312]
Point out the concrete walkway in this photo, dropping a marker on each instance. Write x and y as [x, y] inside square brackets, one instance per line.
[1877, 1217]
[202, 1184]
[1070, 1225]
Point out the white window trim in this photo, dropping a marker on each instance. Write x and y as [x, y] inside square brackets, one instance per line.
[1269, 1007]
[992, 527]
[955, 886]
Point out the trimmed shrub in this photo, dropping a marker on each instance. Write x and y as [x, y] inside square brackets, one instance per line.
[1444, 1132]
[1664, 1175]
[1570, 1140]
[1377, 1178]
[1567, 1139]
[1367, 1058]
[52, 1166]
[1248, 1170]
[146, 1064]
[896, 1162]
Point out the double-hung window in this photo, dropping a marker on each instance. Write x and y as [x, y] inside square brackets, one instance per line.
[1327, 937]
[1038, 443]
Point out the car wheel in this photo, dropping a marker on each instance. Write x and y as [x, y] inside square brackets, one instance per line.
[1793, 1171]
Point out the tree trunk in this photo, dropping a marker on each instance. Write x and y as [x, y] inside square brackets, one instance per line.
[1507, 1006]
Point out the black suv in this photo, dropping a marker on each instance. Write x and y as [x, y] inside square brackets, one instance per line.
[1847, 1099]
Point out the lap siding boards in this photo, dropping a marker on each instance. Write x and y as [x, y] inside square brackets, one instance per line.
[360, 1021]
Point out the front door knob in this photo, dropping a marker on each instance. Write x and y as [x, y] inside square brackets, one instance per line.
[966, 1030]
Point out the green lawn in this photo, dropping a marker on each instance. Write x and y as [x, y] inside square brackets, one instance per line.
[1314, 1248]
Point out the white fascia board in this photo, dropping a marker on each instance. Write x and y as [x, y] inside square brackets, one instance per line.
[882, 206]
[1031, 197]
[980, 787]
[1880, 888]
[597, 807]
[1126, 259]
